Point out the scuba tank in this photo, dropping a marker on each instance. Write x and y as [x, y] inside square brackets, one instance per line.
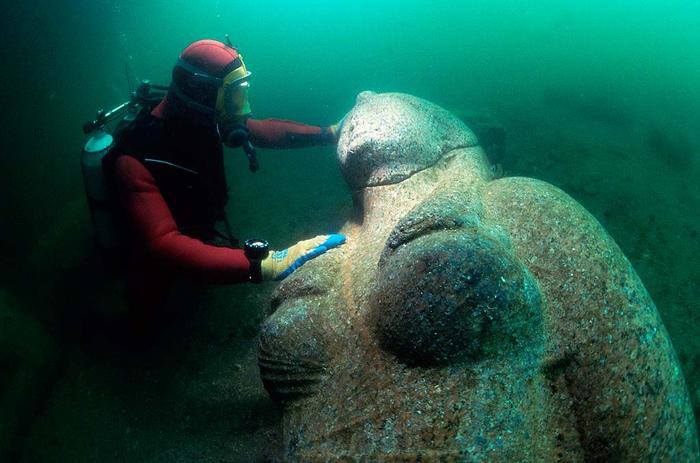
[97, 191]
[97, 187]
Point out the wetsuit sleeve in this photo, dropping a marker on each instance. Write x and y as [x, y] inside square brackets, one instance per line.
[278, 133]
[152, 221]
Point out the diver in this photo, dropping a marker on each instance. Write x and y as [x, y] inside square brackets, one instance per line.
[167, 172]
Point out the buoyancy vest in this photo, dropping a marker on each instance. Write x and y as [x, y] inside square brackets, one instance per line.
[186, 161]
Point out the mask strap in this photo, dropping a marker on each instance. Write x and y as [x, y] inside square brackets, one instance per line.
[200, 75]
[190, 103]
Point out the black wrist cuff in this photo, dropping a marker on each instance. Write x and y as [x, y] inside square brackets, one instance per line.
[255, 272]
[255, 250]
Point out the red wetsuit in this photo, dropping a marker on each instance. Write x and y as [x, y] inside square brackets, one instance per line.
[162, 251]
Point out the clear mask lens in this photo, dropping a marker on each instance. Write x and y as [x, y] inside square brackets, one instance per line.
[239, 105]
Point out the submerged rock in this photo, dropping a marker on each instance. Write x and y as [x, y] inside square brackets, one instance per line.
[467, 318]
[28, 367]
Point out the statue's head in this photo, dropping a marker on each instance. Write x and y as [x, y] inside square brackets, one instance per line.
[388, 137]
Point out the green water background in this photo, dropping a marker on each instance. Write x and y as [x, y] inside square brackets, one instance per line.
[599, 98]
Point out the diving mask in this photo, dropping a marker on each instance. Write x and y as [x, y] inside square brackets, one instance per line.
[232, 100]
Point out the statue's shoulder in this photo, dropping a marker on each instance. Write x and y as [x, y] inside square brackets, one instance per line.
[579, 267]
[606, 340]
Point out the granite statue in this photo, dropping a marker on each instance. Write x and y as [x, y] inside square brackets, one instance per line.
[467, 318]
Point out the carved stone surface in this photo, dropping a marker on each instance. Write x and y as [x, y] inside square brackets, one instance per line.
[467, 318]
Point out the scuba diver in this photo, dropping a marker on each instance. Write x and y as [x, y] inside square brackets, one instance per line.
[166, 172]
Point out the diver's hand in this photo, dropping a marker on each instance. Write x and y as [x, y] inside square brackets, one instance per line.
[337, 128]
[280, 264]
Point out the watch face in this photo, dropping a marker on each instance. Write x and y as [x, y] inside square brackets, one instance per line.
[256, 248]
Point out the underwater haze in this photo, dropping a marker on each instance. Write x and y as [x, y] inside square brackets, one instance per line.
[600, 98]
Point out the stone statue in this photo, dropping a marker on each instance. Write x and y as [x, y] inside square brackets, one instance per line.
[467, 318]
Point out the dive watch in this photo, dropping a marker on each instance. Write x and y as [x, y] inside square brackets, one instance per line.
[256, 250]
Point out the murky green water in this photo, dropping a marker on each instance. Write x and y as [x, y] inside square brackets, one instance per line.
[598, 98]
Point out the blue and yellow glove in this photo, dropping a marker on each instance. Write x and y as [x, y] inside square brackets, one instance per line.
[280, 264]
